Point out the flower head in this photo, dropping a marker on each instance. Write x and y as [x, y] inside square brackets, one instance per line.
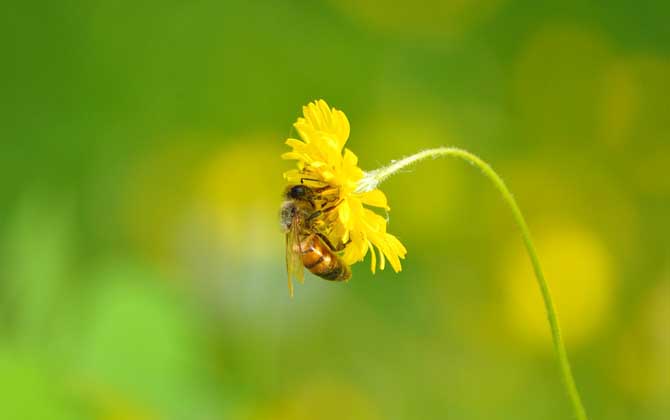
[323, 161]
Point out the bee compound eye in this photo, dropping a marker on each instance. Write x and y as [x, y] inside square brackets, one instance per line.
[298, 191]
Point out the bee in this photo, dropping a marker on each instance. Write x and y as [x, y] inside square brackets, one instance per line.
[305, 245]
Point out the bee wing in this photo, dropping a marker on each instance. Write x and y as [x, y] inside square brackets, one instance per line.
[294, 266]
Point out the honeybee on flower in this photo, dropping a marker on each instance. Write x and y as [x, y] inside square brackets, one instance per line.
[326, 218]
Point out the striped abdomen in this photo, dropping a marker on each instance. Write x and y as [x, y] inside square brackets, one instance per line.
[320, 260]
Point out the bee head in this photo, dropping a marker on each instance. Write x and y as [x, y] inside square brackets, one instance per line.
[299, 192]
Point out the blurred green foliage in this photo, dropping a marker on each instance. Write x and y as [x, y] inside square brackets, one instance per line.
[141, 262]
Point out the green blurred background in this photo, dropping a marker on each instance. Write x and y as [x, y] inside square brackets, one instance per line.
[141, 261]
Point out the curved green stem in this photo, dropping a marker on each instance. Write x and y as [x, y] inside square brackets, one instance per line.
[373, 178]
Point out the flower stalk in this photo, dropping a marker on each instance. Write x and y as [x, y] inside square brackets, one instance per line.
[373, 178]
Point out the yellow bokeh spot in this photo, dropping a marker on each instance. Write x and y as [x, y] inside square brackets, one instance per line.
[237, 196]
[187, 200]
[642, 356]
[578, 268]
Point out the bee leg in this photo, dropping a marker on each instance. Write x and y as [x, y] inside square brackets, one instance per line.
[328, 191]
[323, 211]
[331, 208]
[314, 215]
[342, 246]
[325, 239]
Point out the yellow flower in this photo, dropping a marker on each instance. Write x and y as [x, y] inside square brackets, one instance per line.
[323, 160]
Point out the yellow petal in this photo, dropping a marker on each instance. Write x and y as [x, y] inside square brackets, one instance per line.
[294, 155]
[328, 175]
[382, 260]
[313, 115]
[397, 246]
[394, 260]
[342, 126]
[345, 236]
[292, 175]
[325, 114]
[356, 248]
[373, 258]
[345, 212]
[375, 198]
[295, 143]
[350, 158]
